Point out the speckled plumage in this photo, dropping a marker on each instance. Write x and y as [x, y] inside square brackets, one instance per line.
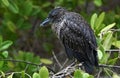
[77, 37]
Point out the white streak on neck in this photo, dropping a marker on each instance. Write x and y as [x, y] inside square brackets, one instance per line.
[57, 27]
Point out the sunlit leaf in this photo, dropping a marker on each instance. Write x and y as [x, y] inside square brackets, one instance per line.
[100, 54]
[5, 54]
[5, 2]
[23, 74]
[46, 61]
[36, 75]
[99, 20]
[116, 44]
[77, 74]
[93, 19]
[108, 41]
[108, 27]
[5, 45]
[44, 72]
[85, 75]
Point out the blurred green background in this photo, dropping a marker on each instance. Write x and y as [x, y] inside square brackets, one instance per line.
[20, 20]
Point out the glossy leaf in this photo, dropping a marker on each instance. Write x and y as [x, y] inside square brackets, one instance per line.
[99, 20]
[23, 74]
[77, 74]
[46, 61]
[93, 19]
[108, 27]
[5, 54]
[36, 75]
[44, 72]
[5, 45]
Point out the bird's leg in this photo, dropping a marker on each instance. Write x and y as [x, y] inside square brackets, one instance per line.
[80, 66]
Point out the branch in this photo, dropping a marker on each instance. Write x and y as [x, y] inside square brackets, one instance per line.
[113, 50]
[21, 61]
[109, 66]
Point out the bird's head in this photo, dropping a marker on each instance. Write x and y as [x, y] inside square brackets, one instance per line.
[54, 16]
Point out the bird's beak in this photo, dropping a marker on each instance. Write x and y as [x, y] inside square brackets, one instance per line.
[45, 22]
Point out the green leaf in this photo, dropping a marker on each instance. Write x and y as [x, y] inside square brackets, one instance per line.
[98, 2]
[36, 75]
[44, 72]
[93, 19]
[11, 26]
[1, 39]
[1, 64]
[46, 61]
[5, 54]
[104, 59]
[27, 8]
[116, 44]
[77, 74]
[85, 75]
[108, 27]
[100, 54]
[112, 61]
[23, 74]
[108, 40]
[5, 45]
[13, 7]
[99, 20]
[5, 2]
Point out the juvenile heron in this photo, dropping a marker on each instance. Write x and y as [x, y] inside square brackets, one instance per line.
[76, 35]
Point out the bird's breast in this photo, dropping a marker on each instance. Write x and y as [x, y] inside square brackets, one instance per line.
[56, 27]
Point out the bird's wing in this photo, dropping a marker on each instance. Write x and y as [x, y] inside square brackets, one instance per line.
[77, 36]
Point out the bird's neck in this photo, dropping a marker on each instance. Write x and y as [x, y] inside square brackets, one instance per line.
[57, 26]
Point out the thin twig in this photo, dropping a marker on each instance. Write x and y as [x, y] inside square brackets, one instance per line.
[64, 63]
[113, 50]
[109, 66]
[98, 75]
[56, 59]
[21, 61]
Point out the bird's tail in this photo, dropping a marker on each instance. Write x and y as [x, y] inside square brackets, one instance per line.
[89, 68]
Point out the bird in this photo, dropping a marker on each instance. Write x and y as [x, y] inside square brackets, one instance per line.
[76, 35]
